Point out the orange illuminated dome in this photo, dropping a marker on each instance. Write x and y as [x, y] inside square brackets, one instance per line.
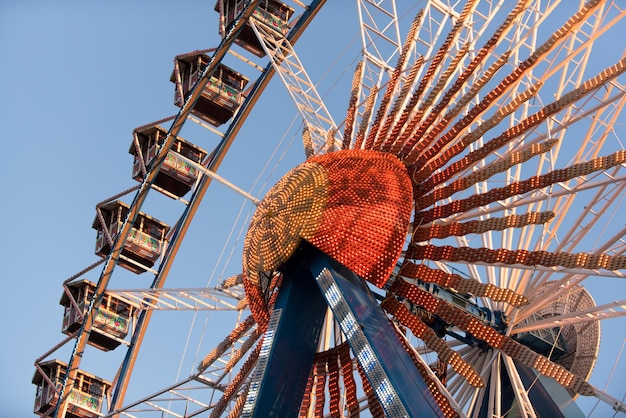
[354, 205]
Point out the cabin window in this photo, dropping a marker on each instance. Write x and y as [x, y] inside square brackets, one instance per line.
[114, 217]
[190, 153]
[157, 137]
[88, 385]
[78, 295]
[155, 231]
[194, 155]
[119, 307]
[234, 80]
[104, 302]
[95, 388]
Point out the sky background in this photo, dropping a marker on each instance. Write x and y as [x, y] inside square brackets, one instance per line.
[76, 78]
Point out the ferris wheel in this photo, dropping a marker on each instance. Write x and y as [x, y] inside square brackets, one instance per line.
[451, 242]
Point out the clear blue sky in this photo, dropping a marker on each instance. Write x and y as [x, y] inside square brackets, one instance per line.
[77, 77]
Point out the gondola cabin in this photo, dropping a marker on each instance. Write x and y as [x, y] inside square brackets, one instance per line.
[111, 319]
[272, 13]
[222, 95]
[144, 244]
[179, 171]
[549, 342]
[85, 398]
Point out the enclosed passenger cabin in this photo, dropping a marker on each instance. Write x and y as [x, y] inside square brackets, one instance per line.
[85, 399]
[111, 318]
[144, 243]
[272, 13]
[220, 98]
[179, 171]
[548, 342]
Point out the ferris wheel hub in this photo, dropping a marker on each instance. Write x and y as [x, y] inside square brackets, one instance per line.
[354, 205]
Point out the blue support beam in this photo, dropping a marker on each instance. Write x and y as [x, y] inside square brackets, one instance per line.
[292, 337]
[390, 370]
[289, 347]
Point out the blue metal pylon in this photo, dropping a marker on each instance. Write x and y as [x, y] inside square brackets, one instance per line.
[292, 336]
[289, 347]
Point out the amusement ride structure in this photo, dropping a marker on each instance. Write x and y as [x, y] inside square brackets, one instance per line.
[434, 251]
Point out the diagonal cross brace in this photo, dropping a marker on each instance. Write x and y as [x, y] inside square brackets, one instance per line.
[310, 105]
